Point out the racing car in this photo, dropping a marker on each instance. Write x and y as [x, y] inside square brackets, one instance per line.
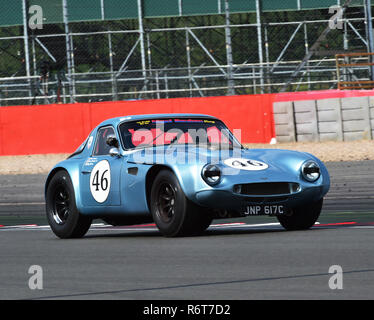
[179, 171]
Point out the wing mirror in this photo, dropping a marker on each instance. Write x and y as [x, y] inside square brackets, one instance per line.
[114, 152]
[112, 141]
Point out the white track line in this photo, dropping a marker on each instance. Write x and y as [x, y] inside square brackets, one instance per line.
[150, 227]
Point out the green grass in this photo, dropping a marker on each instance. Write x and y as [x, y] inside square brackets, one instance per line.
[13, 220]
[360, 217]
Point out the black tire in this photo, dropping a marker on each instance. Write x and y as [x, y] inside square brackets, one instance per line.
[302, 218]
[62, 213]
[172, 212]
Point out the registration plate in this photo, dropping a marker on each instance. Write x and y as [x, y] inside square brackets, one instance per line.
[270, 210]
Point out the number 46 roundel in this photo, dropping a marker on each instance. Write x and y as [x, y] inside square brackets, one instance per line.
[100, 181]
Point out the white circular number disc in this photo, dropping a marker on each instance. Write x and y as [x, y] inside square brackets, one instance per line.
[100, 181]
[245, 164]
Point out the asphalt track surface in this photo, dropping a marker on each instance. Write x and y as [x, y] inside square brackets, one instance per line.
[249, 258]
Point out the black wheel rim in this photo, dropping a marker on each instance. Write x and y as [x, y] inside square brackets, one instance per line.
[61, 205]
[166, 202]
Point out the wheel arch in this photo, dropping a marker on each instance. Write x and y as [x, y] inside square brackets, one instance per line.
[150, 177]
[50, 176]
[74, 177]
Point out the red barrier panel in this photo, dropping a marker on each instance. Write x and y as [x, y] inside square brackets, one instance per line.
[61, 128]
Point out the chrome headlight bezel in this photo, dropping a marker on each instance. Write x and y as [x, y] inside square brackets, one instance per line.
[310, 171]
[211, 174]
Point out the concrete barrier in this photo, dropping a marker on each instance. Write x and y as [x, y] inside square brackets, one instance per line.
[284, 121]
[333, 119]
[371, 110]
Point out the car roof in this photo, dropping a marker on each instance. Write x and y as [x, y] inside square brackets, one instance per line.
[117, 120]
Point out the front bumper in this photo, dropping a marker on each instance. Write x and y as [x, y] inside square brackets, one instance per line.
[227, 199]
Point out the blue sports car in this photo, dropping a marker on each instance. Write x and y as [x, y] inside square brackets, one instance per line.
[180, 171]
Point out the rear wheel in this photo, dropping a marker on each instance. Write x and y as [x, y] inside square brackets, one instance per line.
[62, 213]
[303, 217]
[172, 212]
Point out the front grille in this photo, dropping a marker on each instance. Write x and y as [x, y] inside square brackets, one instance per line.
[267, 188]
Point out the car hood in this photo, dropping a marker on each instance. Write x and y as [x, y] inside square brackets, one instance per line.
[248, 161]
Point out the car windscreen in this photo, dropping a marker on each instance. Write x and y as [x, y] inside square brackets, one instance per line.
[189, 131]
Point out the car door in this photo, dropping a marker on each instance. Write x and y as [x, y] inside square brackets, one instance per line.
[100, 173]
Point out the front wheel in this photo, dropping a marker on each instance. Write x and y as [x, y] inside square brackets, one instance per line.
[303, 217]
[172, 212]
[62, 214]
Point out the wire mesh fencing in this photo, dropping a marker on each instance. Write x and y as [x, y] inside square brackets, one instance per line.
[124, 50]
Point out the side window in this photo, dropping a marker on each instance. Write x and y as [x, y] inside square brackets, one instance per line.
[101, 147]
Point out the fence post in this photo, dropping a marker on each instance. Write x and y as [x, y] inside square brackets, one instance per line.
[114, 79]
[369, 25]
[259, 39]
[141, 37]
[69, 51]
[26, 45]
[230, 80]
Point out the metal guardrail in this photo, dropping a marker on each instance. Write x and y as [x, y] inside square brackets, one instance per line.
[166, 83]
[354, 70]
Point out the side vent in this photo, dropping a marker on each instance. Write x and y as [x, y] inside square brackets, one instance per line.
[133, 171]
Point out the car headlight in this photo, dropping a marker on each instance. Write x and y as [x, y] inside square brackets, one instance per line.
[211, 174]
[310, 171]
